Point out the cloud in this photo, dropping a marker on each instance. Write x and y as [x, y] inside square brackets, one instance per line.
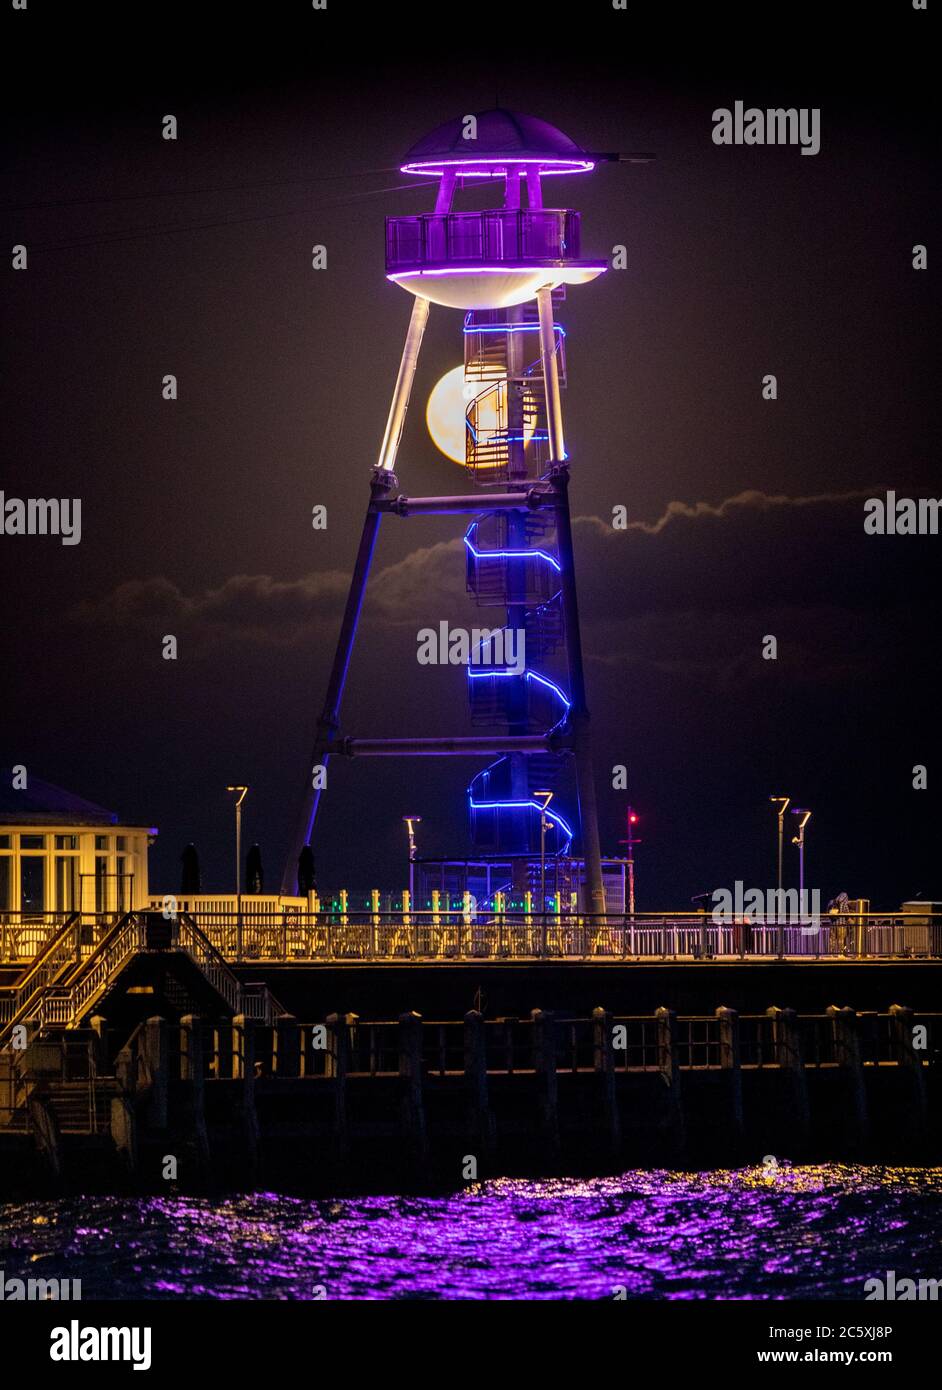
[690, 593]
[261, 608]
[749, 500]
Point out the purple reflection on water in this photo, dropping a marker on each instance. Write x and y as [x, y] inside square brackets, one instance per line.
[812, 1232]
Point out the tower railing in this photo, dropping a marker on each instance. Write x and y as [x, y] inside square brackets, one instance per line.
[500, 235]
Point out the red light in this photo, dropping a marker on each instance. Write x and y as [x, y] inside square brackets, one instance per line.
[633, 819]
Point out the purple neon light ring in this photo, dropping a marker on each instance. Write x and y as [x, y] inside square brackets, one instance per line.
[488, 169]
[499, 269]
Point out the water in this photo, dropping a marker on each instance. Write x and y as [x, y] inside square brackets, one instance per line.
[810, 1232]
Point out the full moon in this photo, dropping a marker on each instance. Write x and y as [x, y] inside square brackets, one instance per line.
[445, 413]
[448, 405]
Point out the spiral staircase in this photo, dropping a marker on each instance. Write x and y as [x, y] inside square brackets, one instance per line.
[512, 565]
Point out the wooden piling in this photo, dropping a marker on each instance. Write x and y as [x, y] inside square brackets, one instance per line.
[603, 1061]
[411, 1106]
[336, 1066]
[46, 1135]
[287, 1046]
[243, 1066]
[731, 1080]
[480, 1121]
[193, 1087]
[793, 1097]
[673, 1125]
[853, 1088]
[913, 1113]
[544, 1068]
[124, 1131]
[153, 1072]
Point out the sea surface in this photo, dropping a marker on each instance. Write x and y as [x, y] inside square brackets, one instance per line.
[755, 1233]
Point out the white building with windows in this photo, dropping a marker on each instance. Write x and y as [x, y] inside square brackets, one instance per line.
[60, 854]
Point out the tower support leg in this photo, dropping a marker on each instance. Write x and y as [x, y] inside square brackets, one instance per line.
[383, 482]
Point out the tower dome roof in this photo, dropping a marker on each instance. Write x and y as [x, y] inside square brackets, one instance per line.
[503, 139]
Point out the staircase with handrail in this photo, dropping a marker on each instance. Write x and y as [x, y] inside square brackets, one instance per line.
[512, 564]
[61, 991]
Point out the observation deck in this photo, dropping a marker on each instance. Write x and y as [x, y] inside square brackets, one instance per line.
[486, 260]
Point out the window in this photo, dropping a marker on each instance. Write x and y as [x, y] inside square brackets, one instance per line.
[101, 842]
[32, 842]
[6, 882]
[101, 883]
[66, 882]
[123, 884]
[121, 843]
[33, 884]
[4, 842]
[66, 842]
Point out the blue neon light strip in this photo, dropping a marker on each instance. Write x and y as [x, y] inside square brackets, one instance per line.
[530, 675]
[512, 328]
[500, 438]
[511, 554]
[520, 805]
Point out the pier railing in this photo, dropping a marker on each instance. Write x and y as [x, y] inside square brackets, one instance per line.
[269, 932]
[374, 1048]
[462, 934]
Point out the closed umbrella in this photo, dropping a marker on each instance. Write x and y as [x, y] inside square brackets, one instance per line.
[254, 874]
[190, 870]
[306, 881]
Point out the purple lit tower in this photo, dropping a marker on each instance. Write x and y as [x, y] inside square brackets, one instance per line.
[507, 269]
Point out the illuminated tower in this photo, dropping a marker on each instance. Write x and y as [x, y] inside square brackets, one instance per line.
[507, 269]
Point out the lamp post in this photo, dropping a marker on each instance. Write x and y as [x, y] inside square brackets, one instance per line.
[632, 820]
[782, 803]
[412, 822]
[799, 840]
[544, 798]
[240, 797]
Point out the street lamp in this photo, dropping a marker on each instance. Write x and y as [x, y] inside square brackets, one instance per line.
[412, 822]
[782, 803]
[799, 840]
[241, 792]
[543, 798]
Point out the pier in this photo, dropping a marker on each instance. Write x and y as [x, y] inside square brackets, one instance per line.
[347, 1102]
[128, 1043]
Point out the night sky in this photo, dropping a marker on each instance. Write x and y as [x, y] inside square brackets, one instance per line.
[193, 257]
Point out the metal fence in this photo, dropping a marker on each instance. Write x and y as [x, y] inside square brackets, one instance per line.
[273, 933]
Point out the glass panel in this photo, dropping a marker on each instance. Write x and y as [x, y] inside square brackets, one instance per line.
[66, 842]
[466, 236]
[6, 882]
[101, 884]
[4, 842]
[435, 249]
[500, 230]
[67, 867]
[121, 843]
[101, 842]
[33, 884]
[123, 884]
[32, 842]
